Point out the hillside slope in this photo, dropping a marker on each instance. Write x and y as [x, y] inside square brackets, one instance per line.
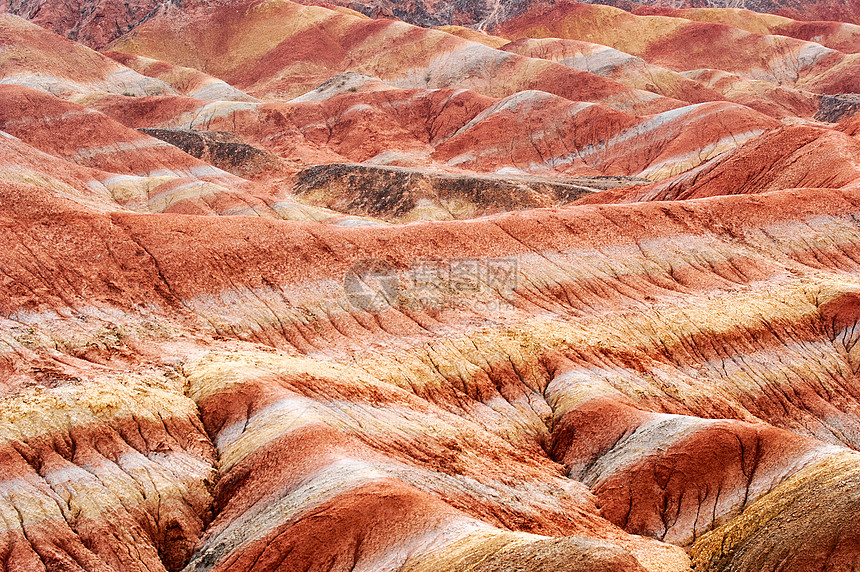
[297, 286]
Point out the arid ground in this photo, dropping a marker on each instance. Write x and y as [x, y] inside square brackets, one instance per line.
[427, 286]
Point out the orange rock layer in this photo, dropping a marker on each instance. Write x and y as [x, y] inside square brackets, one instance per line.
[275, 293]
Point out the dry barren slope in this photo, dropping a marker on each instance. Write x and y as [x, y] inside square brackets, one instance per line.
[284, 287]
[495, 414]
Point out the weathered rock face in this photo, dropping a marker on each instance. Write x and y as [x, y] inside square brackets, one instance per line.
[815, 10]
[93, 23]
[187, 81]
[219, 148]
[396, 193]
[283, 287]
[108, 475]
[835, 108]
[405, 56]
[440, 12]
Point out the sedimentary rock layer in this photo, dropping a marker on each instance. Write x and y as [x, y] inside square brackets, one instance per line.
[287, 287]
[516, 388]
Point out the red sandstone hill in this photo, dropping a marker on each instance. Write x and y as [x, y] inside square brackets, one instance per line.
[806, 10]
[789, 157]
[300, 286]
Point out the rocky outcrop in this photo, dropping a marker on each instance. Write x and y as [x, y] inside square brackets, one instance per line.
[406, 194]
[436, 13]
[219, 148]
[835, 108]
[816, 10]
[93, 23]
[187, 81]
[119, 167]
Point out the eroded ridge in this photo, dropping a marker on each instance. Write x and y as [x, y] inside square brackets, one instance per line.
[293, 286]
